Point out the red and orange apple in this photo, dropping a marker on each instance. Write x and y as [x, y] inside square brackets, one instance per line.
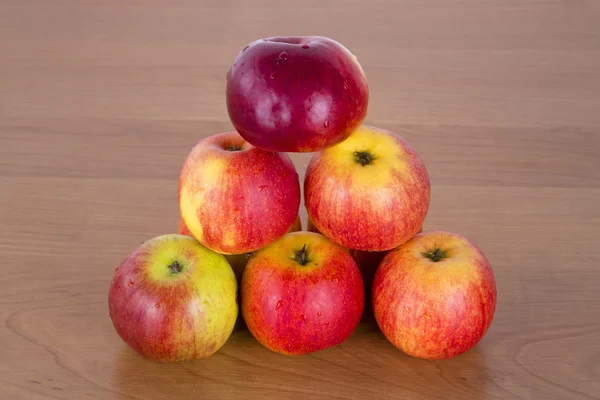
[296, 94]
[301, 294]
[370, 192]
[173, 299]
[434, 297]
[236, 198]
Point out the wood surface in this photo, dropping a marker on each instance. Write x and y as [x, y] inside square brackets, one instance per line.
[100, 101]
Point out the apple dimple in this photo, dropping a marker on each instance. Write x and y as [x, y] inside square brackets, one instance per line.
[287, 39]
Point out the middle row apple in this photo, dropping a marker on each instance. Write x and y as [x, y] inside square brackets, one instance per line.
[370, 192]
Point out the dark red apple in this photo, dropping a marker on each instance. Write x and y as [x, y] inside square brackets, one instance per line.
[296, 94]
[301, 294]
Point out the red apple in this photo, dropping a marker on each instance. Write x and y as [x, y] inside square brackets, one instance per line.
[370, 192]
[237, 261]
[434, 297]
[173, 299]
[236, 198]
[296, 94]
[301, 294]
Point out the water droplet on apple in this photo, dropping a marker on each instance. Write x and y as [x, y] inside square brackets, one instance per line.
[345, 86]
[157, 305]
[335, 280]
[283, 56]
[325, 124]
[279, 305]
[273, 75]
[407, 309]
[130, 283]
[326, 323]
[319, 313]
[305, 46]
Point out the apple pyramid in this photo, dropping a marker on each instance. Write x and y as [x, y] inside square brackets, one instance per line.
[366, 192]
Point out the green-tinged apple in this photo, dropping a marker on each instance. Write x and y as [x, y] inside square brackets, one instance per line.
[434, 297]
[296, 93]
[370, 192]
[301, 294]
[172, 299]
[236, 198]
[237, 261]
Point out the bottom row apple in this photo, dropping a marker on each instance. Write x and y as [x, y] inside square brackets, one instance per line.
[172, 299]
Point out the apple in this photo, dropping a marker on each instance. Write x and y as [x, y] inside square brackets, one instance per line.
[172, 299]
[236, 198]
[434, 297]
[296, 93]
[237, 261]
[367, 261]
[301, 294]
[370, 192]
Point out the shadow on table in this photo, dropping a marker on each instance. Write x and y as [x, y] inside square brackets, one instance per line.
[364, 366]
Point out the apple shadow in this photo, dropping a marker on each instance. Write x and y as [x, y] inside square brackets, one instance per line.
[463, 376]
[138, 377]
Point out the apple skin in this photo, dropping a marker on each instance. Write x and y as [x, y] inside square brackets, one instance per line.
[296, 309]
[237, 261]
[239, 201]
[434, 310]
[367, 261]
[170, 315]
[372, 207]
[296, 94]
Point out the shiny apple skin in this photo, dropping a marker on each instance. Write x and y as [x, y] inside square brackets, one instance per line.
[296, 94]
[296, 309]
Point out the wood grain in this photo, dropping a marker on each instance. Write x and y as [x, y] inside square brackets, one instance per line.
[101, 101]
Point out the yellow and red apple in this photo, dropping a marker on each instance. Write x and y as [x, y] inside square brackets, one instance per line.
[370, 192]
[296, 94]
[236, 198]
[301, 294]
[434, 297]
[173, 299]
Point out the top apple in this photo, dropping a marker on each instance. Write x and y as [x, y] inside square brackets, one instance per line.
[296, 94]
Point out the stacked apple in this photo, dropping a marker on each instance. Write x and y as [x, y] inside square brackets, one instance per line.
[367, 194]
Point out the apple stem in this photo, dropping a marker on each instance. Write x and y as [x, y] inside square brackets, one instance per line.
[234, 148]
[436, 254]
[175, 267]
[302, 255]
[363, 157]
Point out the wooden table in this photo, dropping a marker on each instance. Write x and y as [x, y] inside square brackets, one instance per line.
[101, 101]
